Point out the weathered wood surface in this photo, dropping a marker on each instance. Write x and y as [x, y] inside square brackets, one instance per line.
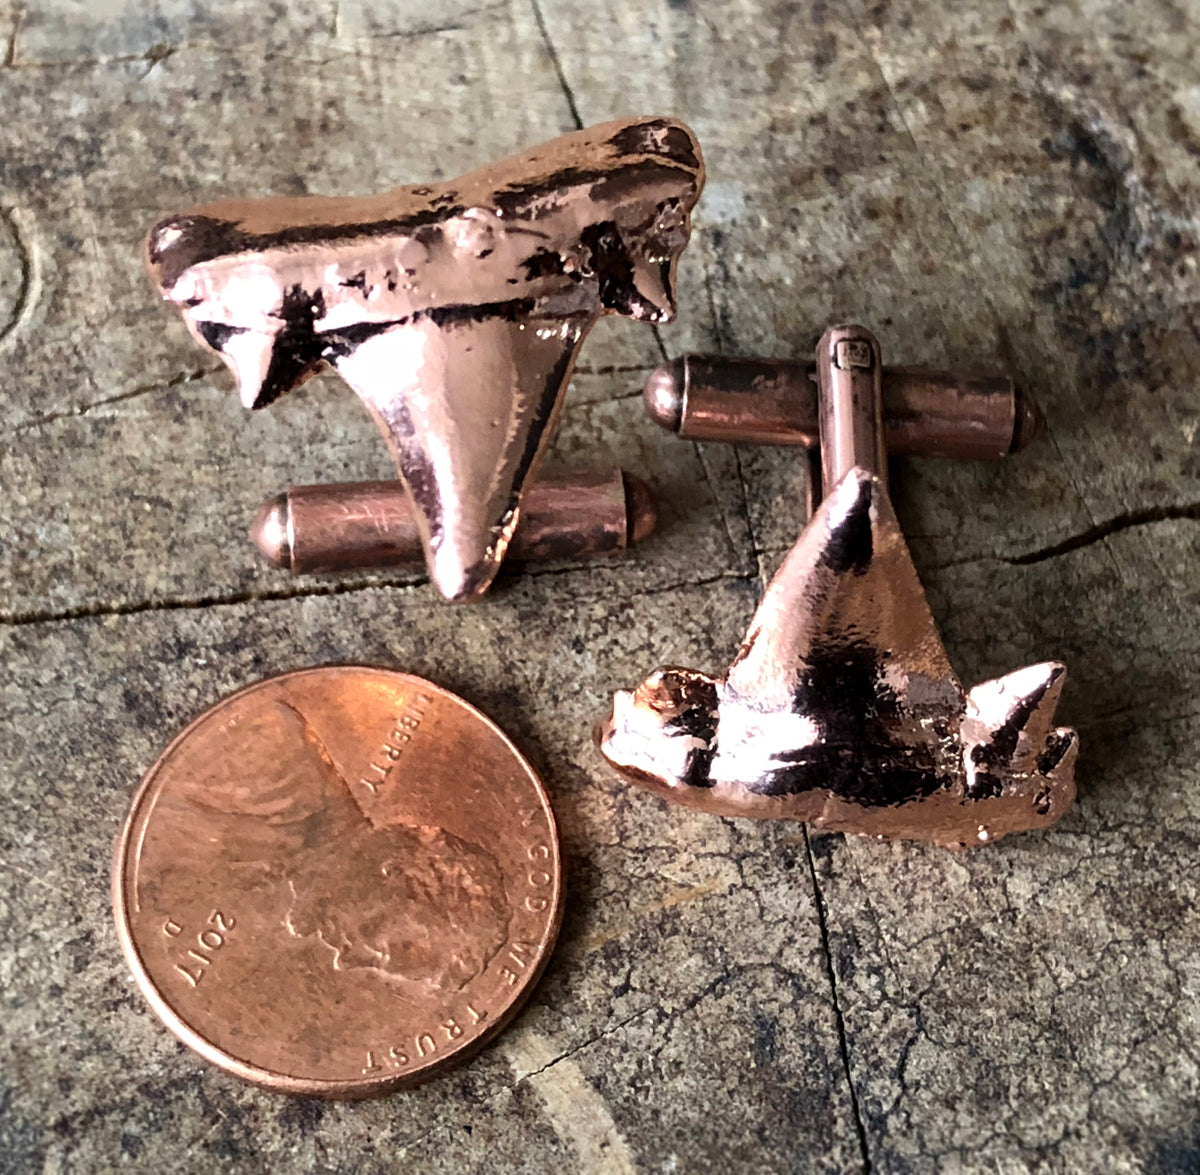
[995, 183]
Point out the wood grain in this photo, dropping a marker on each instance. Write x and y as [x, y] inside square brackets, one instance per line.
[1001, 183]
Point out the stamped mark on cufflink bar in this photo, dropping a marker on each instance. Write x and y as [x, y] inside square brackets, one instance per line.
[853, 353]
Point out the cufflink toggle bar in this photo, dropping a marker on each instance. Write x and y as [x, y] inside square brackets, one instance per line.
[348, 525]
[774, 402]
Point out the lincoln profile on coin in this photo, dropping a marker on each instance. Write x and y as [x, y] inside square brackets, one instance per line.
[411, 903]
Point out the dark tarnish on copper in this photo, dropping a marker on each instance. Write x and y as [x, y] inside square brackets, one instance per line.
[841, 707]
[455, 310]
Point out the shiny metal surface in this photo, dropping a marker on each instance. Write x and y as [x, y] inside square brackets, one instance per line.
[850, 406]
[454, 310]
[926, 413]
[321, 528]
[338, 882]
[841, 707]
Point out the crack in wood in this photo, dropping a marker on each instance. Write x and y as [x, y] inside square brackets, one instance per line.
[150, 57]
[556, 62]
[10, 53]
[1128, 520]
[831, 975]
[175, 381]
[104, 609]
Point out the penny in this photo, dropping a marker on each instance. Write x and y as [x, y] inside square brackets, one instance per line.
[338, 881]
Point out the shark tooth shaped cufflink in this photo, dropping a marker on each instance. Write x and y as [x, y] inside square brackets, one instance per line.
[841, 707]
[455, 310]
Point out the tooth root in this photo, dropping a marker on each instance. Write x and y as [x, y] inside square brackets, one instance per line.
[1011, 718]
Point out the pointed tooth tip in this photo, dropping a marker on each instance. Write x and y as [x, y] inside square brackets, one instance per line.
[1066, 761]
[1046, 675]
[858, 488]
[1035, 688]
[1056, 672]
[459, 584]
[1024, 683]
[860, 477]
[271, 531]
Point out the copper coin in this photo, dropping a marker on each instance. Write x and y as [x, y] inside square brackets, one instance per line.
[338, 881]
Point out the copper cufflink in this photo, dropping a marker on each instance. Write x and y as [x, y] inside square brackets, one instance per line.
[841, 707]
[456, 311]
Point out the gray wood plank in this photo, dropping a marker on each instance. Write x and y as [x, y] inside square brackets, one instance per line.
[1001, 183]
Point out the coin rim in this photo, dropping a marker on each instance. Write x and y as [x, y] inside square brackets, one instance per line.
[284, 1082]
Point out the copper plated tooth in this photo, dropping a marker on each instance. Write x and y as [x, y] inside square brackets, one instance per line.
[455, 310]
[841, 707]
